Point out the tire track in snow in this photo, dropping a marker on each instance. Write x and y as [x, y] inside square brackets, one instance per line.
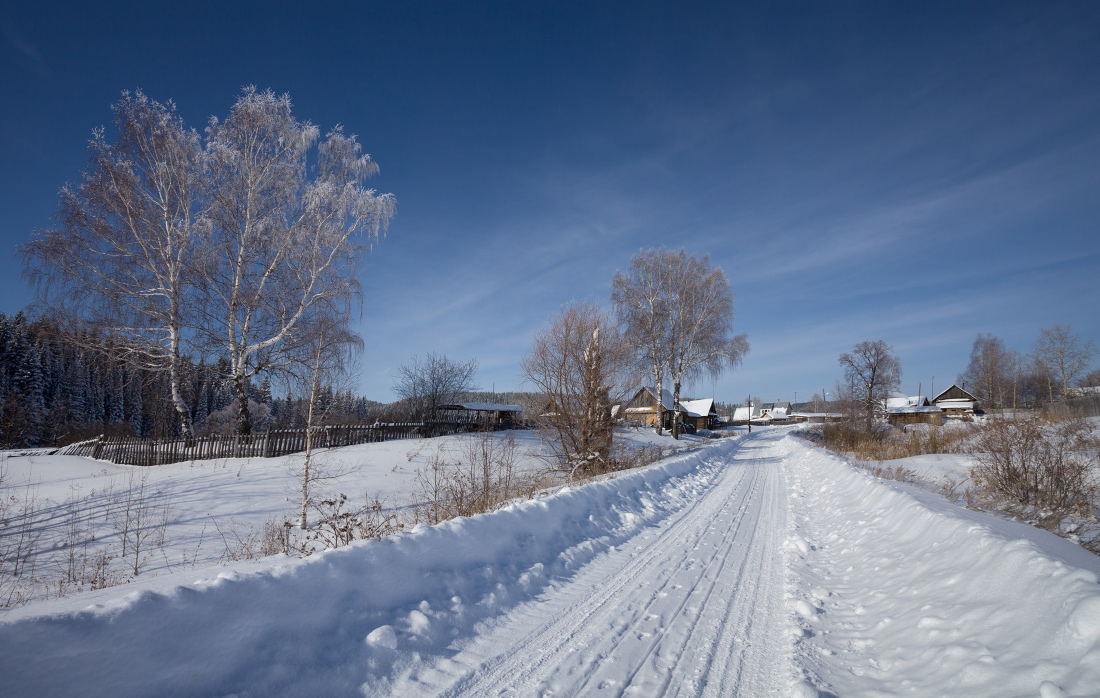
[741, 665]
[662, 679]
[687, 609]
[574, 608]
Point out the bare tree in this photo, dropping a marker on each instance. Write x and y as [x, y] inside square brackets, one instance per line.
[323, 356]
[428, 383]
[990, 370]
[1092, 380]
[872, 371]
[700, 325]
[284, 236]
[640, 297]
[1063, 355]
[118, 261]
[578, 362]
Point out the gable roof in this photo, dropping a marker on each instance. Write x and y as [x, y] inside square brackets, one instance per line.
[698, 408]
[905, 402]
[773, 406]
[666, 398]
[954, 393]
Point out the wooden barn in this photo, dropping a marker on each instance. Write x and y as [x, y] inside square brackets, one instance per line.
[910, 409]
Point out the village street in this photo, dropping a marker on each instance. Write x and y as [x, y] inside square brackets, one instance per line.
[757, 565]
[690, 606]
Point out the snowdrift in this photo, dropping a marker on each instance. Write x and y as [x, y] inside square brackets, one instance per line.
[327, 624]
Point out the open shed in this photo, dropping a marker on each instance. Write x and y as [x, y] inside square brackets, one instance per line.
[486, 413]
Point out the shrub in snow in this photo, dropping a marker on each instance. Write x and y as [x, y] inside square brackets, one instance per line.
[1048, 466]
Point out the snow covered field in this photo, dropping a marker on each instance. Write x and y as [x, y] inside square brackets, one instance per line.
[204, 512]
[757, 565]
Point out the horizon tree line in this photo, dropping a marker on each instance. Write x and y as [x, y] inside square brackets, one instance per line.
[55, 391]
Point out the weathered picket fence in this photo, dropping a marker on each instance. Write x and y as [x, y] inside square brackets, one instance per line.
[274, 442]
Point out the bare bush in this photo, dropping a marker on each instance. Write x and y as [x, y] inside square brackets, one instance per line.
[627, 457]
[19, 537]
[1047, 466]
[482, 478]
[336, 525]
[879, 442]
[140, 520]
[491, 467]
[275, 537]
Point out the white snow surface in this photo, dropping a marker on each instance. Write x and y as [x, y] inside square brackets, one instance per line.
[756, 566]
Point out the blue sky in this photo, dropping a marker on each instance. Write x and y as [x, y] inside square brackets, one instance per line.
[859, 170]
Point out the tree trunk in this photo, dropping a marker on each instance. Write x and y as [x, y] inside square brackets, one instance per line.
[303, 521]
[178, 402]
[659, 380]
[676, 410]
[244, 419]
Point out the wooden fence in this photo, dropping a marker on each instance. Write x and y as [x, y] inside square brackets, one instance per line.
[269, 444]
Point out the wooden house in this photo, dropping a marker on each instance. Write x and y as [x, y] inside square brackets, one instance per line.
[700, 413]
[645, 408]
[773, 413]
[957, 403]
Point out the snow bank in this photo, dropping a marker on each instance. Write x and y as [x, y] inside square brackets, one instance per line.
[898, 592]
[328, 624]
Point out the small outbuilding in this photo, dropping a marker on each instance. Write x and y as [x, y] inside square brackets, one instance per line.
[912, 409]
[741, 415]
[484, 413]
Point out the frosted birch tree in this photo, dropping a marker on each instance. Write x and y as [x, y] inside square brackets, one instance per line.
[700, 339]
[118, 261]
[288, 229]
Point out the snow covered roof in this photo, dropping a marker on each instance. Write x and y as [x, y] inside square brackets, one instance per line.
[742, 413]
[698, 408]
[903, 402]
[666, 398]
[482, 407]
[778, 410]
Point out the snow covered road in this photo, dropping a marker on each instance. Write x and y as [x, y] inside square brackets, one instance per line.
[755, 566]
[690, 606]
